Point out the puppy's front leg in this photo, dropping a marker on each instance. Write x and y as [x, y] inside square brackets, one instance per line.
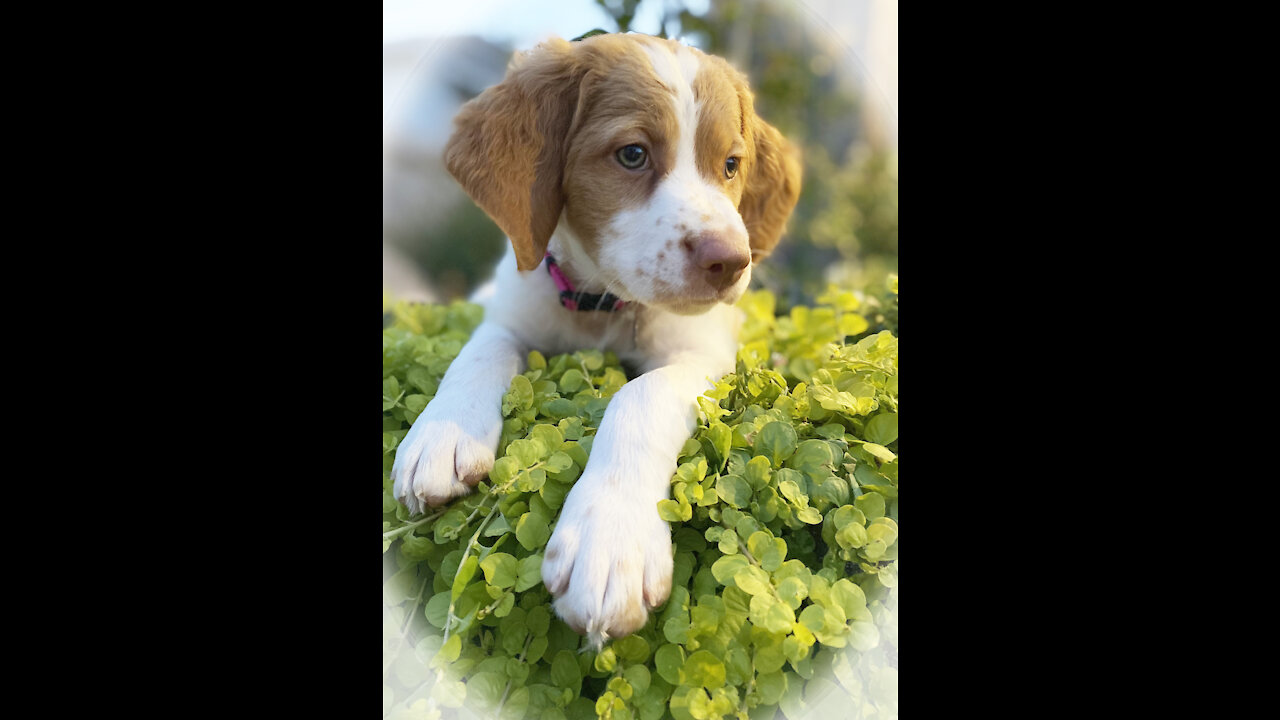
[451, 445]
[609, 560]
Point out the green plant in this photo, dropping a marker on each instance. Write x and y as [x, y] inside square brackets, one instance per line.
[783, 508]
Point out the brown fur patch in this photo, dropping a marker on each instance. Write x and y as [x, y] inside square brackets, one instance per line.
[720, 134]
[622, 102]
[508, 147]
[772, 187]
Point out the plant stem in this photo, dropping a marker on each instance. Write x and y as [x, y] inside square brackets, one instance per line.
[475, 539]
[392, 534]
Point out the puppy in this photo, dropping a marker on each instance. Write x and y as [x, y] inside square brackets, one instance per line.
[638, 187]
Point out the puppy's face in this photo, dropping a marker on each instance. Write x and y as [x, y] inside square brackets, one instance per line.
[649, 151]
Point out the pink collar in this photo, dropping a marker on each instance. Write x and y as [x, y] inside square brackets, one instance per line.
[574, 300]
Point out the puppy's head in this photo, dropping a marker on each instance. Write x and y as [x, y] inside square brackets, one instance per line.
[650, 153]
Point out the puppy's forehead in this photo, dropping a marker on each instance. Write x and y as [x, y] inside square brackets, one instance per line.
[675, 65]
[696, 82]
[705, 99]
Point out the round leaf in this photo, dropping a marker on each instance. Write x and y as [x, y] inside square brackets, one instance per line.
[704, 669]
[500, 570]
[668, 660]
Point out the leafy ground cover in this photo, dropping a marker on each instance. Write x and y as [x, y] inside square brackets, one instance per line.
[784, 514]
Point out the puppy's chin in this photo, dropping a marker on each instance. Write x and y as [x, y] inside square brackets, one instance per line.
[691, 304]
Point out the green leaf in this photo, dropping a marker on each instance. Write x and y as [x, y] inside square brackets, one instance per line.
[776, 441]
[721, 438]
[676, 629]
[668, 660]
[559, 462]
[572, 381]
[526, 452]
[633, 649]
[851, 536]
[882, 429]
[769, 651]
[758, 472]
[465, 572]
[531, 480]
[486, 688]
[851, 324]
[770, 686]
[415, 403]
[437, 609]
[703, 669]
[619, 686]
[565, 672]
[871, 504]
[528, 573]
[497, 526]
[504, 469]
[848, 596]
[881, 452]
[558, 408]
[793, 591]
[768, 550]
[606, 660]
[883, 531]
[638, 675]
[733, 490]
[728, 542]
[694, 471]
[753, 581]
[847, 514]
[500, 570]
[416, 548]
[391, 393]
[768, 613]
[726, 569]
[518, 396]
[532, 531]
[451, 649]
[670, 511]
[809, 515]
[813, 457]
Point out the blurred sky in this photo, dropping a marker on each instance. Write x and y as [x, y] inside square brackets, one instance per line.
[523, 22]
[867, 28]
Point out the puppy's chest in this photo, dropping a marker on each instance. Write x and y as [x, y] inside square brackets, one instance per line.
[628, 333]
[614, 331]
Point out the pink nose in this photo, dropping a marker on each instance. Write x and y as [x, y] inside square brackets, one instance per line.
[720, 260]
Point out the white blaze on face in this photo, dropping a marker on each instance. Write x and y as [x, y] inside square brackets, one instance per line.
[645, 245]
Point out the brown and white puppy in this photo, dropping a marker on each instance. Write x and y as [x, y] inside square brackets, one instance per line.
[640, 166]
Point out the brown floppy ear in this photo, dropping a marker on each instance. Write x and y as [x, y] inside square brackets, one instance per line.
[507, 149]
[773, 185]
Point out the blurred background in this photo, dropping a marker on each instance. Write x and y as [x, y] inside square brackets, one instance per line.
[825, 73]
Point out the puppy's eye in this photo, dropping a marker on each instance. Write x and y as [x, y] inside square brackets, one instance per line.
[731, 167]
[632, 157]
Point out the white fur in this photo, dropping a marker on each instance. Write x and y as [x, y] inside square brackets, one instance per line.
[608, 561]
[453, 440]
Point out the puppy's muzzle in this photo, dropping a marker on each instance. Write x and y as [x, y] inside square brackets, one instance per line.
[718, 259]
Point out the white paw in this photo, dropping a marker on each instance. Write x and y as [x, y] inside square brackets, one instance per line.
[443, 456]
[609, 560]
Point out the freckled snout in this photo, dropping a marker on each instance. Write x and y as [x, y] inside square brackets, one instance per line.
[720, 259]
